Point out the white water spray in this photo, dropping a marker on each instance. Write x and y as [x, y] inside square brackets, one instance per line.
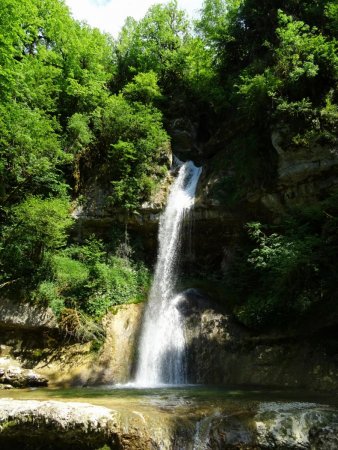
[162, 344]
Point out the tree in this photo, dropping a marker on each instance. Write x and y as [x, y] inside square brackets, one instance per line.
[131, 141]
[143, 88]
[156, 43]
[34, 226]
[30, 152]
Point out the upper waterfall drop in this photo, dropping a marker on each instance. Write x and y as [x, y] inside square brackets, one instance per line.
[162, 343]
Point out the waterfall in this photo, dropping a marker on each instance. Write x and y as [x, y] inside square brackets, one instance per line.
[162, 344]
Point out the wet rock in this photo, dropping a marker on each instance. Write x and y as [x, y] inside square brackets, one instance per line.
[325, 438]
[292, 425]
[122, 327]
[211, 337]
[75, 426]
[5, 350]
[191, 302]
[221, 351]
[134, 425]
[274, 424]
[220, 431]
[69, 363]
[42, 423]
[21, 378]
[183, 137]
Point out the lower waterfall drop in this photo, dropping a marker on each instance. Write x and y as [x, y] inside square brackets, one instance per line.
[162, 344]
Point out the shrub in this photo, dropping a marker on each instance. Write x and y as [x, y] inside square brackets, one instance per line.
[36, 226]
[289, 275]
[88, 280]
[69, 272]
[77, 325]
[47, 294]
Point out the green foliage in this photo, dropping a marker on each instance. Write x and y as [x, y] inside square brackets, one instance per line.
[35, 226]
[87, 279]
[86, 110]
[156, 43]
[47, 294]
[278, 254]
[255, 93]
[79, 133]
[58, 117]
[215, 19]
[88, 254]
[30, 152]
[331, 12]
[115, 282]
[132, 139]
[303, 52]
[143, 88]
[296, 50]
[68, 272]
[289, 275]
[95, 347]
[44, 80]
[275, 65]
[200, 76]
[304, 62]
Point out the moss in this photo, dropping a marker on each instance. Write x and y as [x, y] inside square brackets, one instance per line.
[38, 353]
[7, 425]
[96, 345]
[114, 310]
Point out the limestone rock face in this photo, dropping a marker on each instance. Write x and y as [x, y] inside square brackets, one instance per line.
[116, 359]
[29, 356]
[304, 174]
[25, 316]
[21, 378]
[183, 137]
[60, 423]
[79, 426]
[95, 216]
[220, 351]
[210, 335]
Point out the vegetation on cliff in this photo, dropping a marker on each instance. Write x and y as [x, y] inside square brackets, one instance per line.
[276, 64]
[77, 105]
[289, 272]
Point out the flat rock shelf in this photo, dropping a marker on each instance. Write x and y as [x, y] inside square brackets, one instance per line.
[186, 418]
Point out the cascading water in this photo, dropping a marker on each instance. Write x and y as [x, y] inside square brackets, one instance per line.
[162, 344]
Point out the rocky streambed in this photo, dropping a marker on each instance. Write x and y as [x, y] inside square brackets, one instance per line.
[190, 418]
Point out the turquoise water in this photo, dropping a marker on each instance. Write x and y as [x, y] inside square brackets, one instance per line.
[171, 397]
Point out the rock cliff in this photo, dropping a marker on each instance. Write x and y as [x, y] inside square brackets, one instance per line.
[220, 351]
[218, 354]
[32, 352]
